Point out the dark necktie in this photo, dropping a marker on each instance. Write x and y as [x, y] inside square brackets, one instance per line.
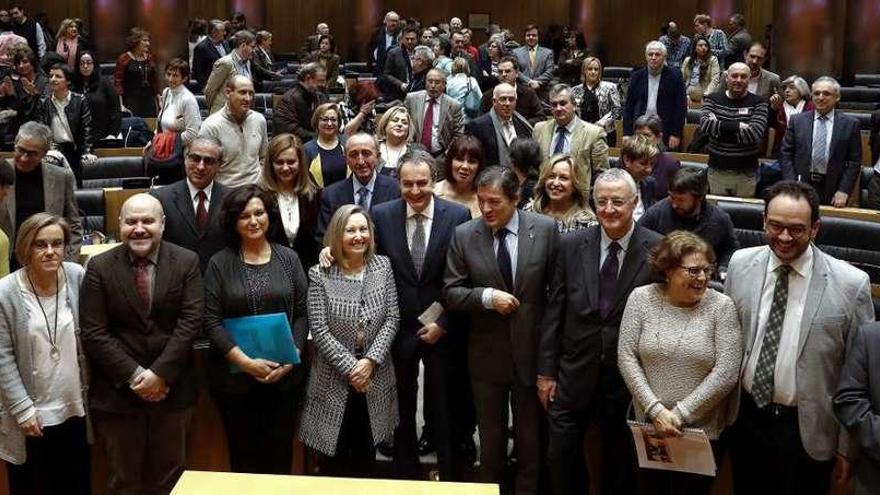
[608, 279]
[428, 125]
[504, 264]
[201, 210]
[765, 369]
[142, 279]
[417, 248]
[362, 197]
[560, 140]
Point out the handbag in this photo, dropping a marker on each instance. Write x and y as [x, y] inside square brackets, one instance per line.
[164, 157]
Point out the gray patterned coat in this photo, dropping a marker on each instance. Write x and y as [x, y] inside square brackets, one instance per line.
[338, 308]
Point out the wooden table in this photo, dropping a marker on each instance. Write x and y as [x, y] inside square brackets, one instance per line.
[212, 483]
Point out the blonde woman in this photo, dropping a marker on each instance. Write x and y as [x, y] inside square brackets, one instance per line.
[394, 131]
[562, 193]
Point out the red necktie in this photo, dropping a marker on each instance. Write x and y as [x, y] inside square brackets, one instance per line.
[201, 211]
[428, 125]
[142, 279]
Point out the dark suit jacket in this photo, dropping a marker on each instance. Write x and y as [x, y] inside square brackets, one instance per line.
[671, 101]
[397, 71]
[527, 103]
[857, 405]
[304, 243]
[500, 343]
[180, 220]
[844, 156]
[483, 128]
[79, 118]
[294, 112]
[875, 137]
[119, 333]
[415, 293]
[204, 56]
[342, 193]
[377, 43]
[576, 340]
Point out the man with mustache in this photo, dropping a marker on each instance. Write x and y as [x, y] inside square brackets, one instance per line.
[438, 118]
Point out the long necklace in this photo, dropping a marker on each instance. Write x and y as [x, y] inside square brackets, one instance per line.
[51, 332]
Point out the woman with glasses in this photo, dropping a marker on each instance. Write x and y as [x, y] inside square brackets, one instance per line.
[679, 352]
[325, 153]
[100, 96]
[43, 408]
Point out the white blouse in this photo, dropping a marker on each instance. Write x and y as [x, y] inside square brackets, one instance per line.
[289, 206]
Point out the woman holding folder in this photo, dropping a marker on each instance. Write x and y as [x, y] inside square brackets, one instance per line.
[351, 402]
[255, 283]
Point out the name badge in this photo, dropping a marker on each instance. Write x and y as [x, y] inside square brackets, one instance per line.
[743, 111]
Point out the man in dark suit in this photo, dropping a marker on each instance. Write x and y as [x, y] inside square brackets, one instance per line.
[498, 128]
[193, 204]
[578, 380]
[382, 41]
[208, 51]
[498, 271]
[414, 232]
[527, 103]
[364, 187]
[857, 405]
[822, 147]
[141, 307]
[398, 71]
[536, 61]
[657, 89]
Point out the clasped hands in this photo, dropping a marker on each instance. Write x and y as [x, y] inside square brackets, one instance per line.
[361, 376]
[265, 371]
[150, 386]
[667, 423]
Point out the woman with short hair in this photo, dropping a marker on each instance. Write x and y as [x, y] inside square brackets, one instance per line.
[597, 101]
[135, 77]
[325, 153]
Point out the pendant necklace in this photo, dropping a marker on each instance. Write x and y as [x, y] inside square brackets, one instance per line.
[51, 332]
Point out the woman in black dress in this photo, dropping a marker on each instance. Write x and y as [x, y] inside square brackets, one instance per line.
[99, 93]
[135, 77]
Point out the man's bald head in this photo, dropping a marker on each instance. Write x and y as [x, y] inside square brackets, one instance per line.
[141, 223]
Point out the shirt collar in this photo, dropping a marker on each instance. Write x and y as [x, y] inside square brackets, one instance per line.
[803, 264]
[569, 127]
[153, 257]
[829, 115]
[369, 185]
[623, 241]
[63, 102]
[193, 190]
[512, 225]
[428, 212]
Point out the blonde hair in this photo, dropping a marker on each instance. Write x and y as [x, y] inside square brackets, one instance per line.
[336, 229]
[580, 184]
[303, 183]
[64, 26]
[386, 119]
[638, 147]
[29, 229]
[321, 110]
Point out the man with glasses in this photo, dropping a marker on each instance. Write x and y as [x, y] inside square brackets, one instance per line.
[40, 187]
[578, 380]
[799, 309]
[192, 205]
[437, 117]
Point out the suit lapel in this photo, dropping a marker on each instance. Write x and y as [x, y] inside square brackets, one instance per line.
[419, 116]
[525, 238]
[590, 252]
[184, 204]
[632, 265]
[438, 227]
[399, 238]
[162, 273]
[818, 283]
[486, 247]
[757, 272]
[127, 283]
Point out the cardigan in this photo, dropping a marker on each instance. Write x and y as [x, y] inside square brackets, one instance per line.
[16, 377]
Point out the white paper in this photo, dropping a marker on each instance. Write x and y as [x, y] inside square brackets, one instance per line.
[690, 453]
[431, 314]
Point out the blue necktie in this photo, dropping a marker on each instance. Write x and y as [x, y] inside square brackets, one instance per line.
[362, 197]
[560, 140]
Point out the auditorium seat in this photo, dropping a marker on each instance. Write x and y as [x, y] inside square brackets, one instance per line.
[866, 99]
[203, 106]
[112, 171]
[870, 80]
[356, 68]
[616, 74]
[107, 69]
[864, 119]
[90, 203]
[866, 178]
[278, 87]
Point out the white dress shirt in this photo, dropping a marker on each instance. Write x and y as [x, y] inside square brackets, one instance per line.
[61, 132]
[606, 241]
[512, 243]
[194, 191]
[428, 213]
[784, 381]
[288, 205]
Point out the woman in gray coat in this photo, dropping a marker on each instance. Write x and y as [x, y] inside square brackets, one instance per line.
[351, 401]
[42, 368]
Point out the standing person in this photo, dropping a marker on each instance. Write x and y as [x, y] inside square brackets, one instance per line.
[136, 78]
[33, 82]
[383, 40]
[28, 29]
[735, 121]
[102, 99]
[351, 402]
[394, 133]
[579, 383]
[674, 386]
[69, 44]
[43, 364]
[236, 63]
[298, 104]
[799, 310]
[536, 61]
[254, 276]
[437, 117]
[141, 309]
[597, 101]
[498, 128]
[328, 58]
[795, 99]
[179, 110]
[738, 41]
[665, 164]
[325, 152]
[498, 271]
[677, 45]
[700, 68]
[657, 89]
[208, 51]
[717, 38]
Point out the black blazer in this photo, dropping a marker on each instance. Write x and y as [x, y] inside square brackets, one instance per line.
[304, 243]
[79, 118]
[377, 43]
[119, 333]
[483, 128]
[180, 220]
[844, 156]
[342, 193]
[875, 137]
[397, 71]
[415, 293]
[671, 101]
[204, 56]
[576, 340]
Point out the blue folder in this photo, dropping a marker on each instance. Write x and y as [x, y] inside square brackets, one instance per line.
[263, 336]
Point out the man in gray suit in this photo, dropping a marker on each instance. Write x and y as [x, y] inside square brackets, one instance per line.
[857, 406]
[39, 187]
[436, 117]
[536, 61]
[797, 325]
[498, 270]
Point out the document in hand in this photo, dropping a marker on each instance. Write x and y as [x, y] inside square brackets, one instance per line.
[689, 453]
[263, 336]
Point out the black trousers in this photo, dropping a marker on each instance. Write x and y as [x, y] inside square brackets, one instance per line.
[57, 463]
[768, 455]
[436, 393]
[355, 451]
[147, 449]
[74, 159]
[259, 426]
[567, 428]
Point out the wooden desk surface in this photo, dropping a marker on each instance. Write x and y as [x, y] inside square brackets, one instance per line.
[216, 483]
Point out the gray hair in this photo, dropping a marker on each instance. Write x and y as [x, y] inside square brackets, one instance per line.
[616, 175]
[656, 45]
[423, 52]
[557, 89]
[208, 140]
[799, 84]
[216, 25]
[828, 79]
[498, 39]
[417, 157]
[35, 130]
[652, 122]
[309, 70]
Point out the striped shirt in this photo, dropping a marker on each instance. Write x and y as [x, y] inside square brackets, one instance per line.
[731, 144]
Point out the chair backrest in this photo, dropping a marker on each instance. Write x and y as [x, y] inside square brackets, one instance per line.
[112, 171]
[92, 208]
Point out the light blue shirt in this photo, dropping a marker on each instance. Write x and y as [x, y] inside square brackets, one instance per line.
[829, 127]
[566, 144]
[356, 186]
[512, 243]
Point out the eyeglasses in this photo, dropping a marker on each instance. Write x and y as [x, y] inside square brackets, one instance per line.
[695, 271]
[776, 228]
[615, 202]
[54, 245]
[329, 120]
[208, 161]
[26, 152]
